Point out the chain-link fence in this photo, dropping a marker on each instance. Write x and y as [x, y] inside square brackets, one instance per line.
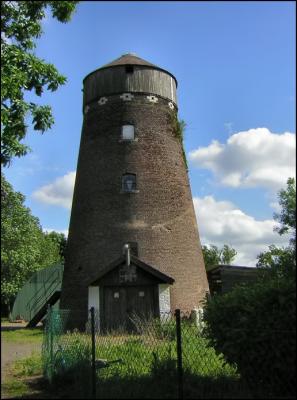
[168, 357]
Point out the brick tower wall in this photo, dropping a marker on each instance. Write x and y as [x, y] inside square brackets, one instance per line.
[159, 217]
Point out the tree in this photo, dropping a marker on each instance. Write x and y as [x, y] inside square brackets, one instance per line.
[60, 240]
[281, 262]
[254, 325]
[22, 71]
[214, 256]
[25, 248]
[287, 216]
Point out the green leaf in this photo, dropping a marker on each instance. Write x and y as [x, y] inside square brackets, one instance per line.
[22, 71]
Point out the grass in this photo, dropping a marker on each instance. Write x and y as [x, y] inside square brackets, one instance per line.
[17, 384]
[147, 366]
[153, 366]
[25, 335]
[29, 366]
[14, 388]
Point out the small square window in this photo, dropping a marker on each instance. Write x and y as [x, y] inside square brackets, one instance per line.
[116, 295]
[141, 294]
[128, 132]
[129, 182]
[129, 69]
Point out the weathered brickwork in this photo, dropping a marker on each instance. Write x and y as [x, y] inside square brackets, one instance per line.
[159, 216]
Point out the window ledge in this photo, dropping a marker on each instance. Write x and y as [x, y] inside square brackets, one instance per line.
[128, 140]
[131, 191]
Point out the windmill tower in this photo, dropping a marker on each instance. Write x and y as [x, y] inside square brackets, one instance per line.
[133, 242]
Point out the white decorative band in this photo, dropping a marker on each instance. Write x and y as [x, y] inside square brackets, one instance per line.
[127, 96]
[152, 99]
[102, 101]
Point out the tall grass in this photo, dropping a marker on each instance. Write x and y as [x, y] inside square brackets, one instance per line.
[144, 364]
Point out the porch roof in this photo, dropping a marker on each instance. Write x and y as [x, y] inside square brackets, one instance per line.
[136, 261]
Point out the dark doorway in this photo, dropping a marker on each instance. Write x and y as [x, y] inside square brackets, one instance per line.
[124, 304]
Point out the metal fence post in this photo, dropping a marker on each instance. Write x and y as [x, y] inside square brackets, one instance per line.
[179, 354]
[93, 353]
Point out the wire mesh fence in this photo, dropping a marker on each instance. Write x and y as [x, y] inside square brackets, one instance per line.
[166, 357]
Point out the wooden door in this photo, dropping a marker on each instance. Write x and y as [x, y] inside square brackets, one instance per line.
[114, 308]
[140, 304]
[123, 305]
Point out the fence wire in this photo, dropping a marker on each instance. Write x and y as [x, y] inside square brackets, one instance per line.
[143, 362]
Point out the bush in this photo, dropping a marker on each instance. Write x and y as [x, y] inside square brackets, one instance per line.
[254, 327]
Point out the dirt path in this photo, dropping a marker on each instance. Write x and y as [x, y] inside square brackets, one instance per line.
[13, 351]
[10, 352]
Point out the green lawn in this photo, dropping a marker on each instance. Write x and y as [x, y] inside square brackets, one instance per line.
[147, 368]
[26, 335]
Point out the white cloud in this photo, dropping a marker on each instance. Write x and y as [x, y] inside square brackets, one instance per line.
[220, 222]
[58, 193]
[254, 158]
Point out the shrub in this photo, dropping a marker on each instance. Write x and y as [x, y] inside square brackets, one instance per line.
[254, 327]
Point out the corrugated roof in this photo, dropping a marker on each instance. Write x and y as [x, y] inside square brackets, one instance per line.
[130, 59]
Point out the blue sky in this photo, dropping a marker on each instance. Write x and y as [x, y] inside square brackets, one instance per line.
[235, 66]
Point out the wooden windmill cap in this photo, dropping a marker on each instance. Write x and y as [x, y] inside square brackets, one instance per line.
[131, 59]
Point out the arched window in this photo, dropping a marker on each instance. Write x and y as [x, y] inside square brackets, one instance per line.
[128, 132]
[129, 183]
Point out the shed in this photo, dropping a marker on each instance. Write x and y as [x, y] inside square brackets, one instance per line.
[122, 292]
[223, 278]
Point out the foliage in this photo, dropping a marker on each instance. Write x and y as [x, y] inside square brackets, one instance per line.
[281, 262]
[287, 216]
[23, 72]
[178, 128]
[214, 256]
[254, 325]
[277, 262]
[60, 241]
[25, 248]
